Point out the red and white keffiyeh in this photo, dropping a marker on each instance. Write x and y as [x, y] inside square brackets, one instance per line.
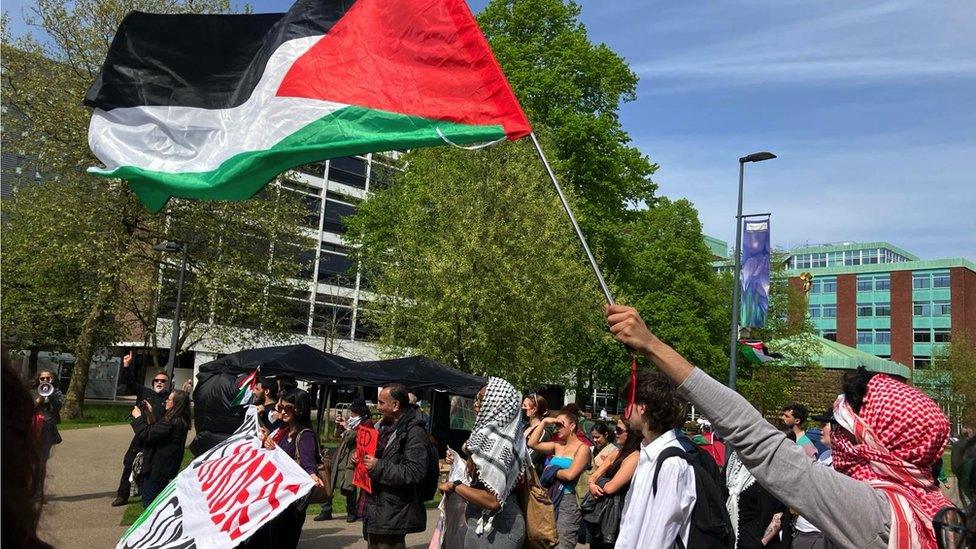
[900, 433]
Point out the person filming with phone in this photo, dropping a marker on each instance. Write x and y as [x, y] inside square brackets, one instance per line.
[154, 400]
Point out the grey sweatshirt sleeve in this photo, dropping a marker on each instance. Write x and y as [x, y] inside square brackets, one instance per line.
[849, 512]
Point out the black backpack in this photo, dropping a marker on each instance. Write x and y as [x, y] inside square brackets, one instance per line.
[711, 527]
[428, 487]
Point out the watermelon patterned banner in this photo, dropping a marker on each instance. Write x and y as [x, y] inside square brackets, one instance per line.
[222, 497]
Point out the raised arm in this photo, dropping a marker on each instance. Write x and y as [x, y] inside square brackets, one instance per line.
[858, 519]
[535, 437]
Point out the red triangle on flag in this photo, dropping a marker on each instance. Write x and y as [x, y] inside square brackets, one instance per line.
[425, 58]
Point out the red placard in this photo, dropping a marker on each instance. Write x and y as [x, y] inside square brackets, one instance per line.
[366, 440]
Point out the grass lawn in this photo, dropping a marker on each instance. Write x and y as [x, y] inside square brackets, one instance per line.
[97, 415]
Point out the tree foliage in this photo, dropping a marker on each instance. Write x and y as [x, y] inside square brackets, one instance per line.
[674, 286]
[474, 263]
[79, 268]
[574, 88]
[952, 379]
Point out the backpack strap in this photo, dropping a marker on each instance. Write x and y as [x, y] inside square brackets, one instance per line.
[298, 439]
[669, 452]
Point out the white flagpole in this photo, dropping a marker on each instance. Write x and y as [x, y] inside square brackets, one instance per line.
[572, 219]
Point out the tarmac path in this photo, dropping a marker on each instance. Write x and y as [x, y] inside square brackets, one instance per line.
[84, 471]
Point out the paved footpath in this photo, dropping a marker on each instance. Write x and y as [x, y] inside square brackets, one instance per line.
[83, 474]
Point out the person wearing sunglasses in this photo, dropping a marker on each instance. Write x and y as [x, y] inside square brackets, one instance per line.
[535, 409]
[569, 457]
[880, 492]
[48, 409]
[608, 486]
[153, 400]
[163, 435]
[296, 438]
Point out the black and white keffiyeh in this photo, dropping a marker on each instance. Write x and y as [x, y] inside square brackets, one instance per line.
[737, 479]
[497, 443]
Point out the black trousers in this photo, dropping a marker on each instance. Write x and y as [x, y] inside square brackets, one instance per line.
[350, 502]
[124, 485]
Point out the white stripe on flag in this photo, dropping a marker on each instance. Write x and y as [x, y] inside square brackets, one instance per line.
[177, 139]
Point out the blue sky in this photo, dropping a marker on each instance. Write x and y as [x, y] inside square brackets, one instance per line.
[871, 107]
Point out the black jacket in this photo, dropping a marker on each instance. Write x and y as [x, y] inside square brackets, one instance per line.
[394, 507]
[157, 400]
[162, 445]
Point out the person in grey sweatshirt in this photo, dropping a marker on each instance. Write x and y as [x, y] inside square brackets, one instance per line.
[852, 513]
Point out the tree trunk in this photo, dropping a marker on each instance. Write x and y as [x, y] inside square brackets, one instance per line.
[32, 363]
[85, 347]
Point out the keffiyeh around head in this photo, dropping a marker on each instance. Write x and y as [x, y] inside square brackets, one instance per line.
[900, 433]
[497, 444]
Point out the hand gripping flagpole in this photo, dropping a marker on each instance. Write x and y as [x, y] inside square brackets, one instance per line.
[572, 219]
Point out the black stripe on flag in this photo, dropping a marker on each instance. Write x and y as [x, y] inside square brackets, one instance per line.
[204, 61]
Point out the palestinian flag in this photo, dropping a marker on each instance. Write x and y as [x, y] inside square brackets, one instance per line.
[754, 351]
[245, 389]
[215, 106]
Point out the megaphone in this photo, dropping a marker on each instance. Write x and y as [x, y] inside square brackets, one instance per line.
[45, 389]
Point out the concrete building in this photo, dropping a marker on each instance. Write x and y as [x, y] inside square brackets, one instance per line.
[328, 314]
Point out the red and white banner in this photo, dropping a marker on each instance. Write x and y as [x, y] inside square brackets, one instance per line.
[223, 496]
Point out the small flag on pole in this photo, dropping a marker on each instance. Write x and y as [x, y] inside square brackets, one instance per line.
[246, 389]
[754, 351]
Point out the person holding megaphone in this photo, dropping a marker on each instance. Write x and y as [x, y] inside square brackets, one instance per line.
[48, 400]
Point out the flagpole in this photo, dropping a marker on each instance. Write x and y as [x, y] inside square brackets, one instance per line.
[579, 232]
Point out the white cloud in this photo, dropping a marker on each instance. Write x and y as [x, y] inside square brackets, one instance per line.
[819, 42]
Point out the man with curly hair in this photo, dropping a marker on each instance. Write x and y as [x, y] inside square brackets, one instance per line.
[657, 518]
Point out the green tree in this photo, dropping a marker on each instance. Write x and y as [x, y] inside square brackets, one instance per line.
[473, 263]
[574, 88]
[87, 243]
[674, 286]
[952, 379]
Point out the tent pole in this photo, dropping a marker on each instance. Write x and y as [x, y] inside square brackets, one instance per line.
[572, 219]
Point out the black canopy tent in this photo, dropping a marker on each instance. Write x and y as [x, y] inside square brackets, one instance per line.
[216, 386]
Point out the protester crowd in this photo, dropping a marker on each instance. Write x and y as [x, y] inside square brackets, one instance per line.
[865, 476]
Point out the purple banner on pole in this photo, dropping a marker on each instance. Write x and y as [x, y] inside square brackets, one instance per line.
[755, 274]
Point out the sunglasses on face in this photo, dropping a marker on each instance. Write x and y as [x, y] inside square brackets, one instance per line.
[290, 408]
[46, 378]
[160, 380]
[619, 431]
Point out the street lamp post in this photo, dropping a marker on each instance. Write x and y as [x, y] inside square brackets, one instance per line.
[168, 246]
[737, 289]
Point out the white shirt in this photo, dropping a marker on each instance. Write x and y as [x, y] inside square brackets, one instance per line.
[803, 525]
[652, 521]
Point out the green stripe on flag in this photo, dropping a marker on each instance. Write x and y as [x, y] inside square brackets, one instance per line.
[162, 497]
[348, 131]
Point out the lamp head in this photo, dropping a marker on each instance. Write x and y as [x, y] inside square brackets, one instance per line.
[168, 246]
[757, 157]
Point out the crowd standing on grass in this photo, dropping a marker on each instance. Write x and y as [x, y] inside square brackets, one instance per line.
[865, 477]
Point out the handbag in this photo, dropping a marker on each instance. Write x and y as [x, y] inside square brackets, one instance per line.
[540, 517]
[319, 494]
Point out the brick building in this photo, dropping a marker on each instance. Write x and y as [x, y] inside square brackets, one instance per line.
[886, 301]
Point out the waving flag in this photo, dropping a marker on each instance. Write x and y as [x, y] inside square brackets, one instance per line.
[215, 106]
[246, 389]
[222, 497]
